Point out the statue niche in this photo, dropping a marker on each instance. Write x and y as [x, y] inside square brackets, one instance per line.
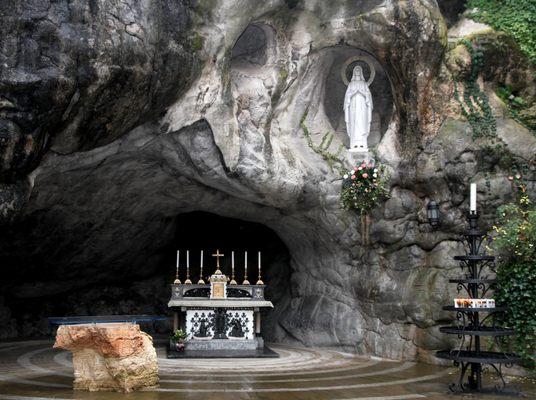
[360, 121]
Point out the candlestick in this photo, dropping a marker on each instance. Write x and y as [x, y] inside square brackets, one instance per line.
[188, 281]
[246, 282]
[201, 281]
[177, 280]
[472, 201]
[233, 282]
[260, 282]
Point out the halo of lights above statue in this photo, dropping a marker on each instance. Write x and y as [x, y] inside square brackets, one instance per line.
[358, 104]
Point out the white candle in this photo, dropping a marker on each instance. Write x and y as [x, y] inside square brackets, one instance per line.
[246, 259]
[232, 259]
[259, 260]
[187, 258]
[201, 258]
[472, 202]
[178, 259]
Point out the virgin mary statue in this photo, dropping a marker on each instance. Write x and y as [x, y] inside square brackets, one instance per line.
[358, 110]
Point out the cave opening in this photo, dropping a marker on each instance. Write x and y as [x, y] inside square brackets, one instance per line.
[198, 231]
[30, 297]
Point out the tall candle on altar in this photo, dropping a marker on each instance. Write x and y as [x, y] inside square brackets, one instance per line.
[232, 268]
[178, 252]
[201, 259]
[472, 200]
[259, 260]
[187, 258]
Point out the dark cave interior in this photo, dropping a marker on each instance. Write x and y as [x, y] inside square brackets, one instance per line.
[26, 302]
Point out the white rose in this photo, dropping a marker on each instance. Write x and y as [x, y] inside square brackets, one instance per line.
[345, 176]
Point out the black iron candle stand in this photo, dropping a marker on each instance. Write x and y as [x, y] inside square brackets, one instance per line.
[474, 322]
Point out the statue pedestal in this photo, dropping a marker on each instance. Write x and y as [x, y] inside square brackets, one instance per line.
[356, 156]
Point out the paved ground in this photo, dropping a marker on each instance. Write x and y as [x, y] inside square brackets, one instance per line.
[33, 370]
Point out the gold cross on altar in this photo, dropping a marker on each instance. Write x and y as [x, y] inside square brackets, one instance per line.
[218, 255]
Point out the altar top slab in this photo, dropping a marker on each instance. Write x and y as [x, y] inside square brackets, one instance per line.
[105, 319]
[220, 303]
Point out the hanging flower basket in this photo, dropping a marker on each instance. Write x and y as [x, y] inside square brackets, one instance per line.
[363, 188]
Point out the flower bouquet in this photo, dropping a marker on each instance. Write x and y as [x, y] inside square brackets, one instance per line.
[178, 338]
[363, 188]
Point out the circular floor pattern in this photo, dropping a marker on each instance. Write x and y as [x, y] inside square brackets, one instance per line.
[32, 370]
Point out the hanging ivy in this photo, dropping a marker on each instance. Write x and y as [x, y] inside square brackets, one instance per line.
[475, 105]
[333, 160]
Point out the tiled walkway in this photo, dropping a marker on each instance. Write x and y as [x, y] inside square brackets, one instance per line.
[33, 370]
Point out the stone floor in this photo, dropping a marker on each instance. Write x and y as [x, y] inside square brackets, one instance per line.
[33, 370]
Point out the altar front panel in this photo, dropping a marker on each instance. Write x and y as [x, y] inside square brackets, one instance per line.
[239, 326]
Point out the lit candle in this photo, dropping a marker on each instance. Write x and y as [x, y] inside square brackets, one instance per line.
[178, 252]
[472, 201]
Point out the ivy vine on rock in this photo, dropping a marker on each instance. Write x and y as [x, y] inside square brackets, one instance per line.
[333, 160]
[475, 105]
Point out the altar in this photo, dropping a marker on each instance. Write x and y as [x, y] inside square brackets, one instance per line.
[220, 318]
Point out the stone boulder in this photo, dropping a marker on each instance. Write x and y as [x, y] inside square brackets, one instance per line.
[115, 356]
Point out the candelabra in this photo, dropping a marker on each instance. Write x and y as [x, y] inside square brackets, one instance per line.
[470, 325]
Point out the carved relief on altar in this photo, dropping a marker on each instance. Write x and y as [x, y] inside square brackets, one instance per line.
[200, 324]
[240, 324]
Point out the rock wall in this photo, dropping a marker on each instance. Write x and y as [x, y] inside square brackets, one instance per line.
[207, 118]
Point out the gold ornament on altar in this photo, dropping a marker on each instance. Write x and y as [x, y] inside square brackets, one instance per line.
[218, 280]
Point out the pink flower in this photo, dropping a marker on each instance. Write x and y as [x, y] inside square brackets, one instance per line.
[353, 176]
[355, 169]
[363, 165]
[365, 175]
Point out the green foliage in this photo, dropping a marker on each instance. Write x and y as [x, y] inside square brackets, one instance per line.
[179, 335]
[515, 106]
[515, 17]
[475, 104]
[197, 42]
[363, 188]
[515, 240]
[334, 160]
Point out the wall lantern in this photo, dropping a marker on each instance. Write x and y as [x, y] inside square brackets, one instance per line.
[432, 211]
